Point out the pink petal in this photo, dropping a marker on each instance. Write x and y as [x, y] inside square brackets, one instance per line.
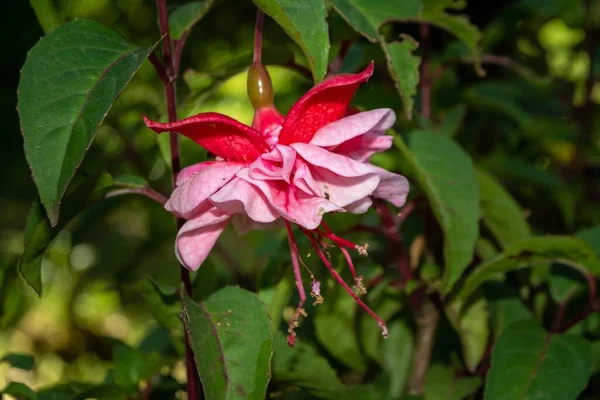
[393, 187]
[323, 104]
[361, 148]
[186, 173]
[276, 164]
[355, 125]
[304, 180]
[360, 206]
[198, 236]
[339, 179]
[239, 196]
[186, 198]
[219, 134]
[292, 203]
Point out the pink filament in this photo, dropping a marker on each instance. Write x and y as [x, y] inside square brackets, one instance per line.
[339, 279]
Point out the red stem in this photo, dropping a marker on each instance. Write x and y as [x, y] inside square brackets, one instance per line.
[145, 191]
[168, 74]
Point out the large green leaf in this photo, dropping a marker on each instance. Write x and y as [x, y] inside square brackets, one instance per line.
[505, 306]
[68, 83]
[445, 173]
[38, 232]
[301, 366]
[501, 213]
[442, 383]
[398, 351]
[304, 21]
[530, 363]
[21, 361]
[434, 12]
[184, 17]
[471, 324]
[232, 343]
[19, 390]
[567, 250]
[366, 17]
[592, 237]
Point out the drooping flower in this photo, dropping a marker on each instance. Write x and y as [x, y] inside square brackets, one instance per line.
[290, 169]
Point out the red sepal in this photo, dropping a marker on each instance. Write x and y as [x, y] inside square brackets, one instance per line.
[219, 134]
[325, 103]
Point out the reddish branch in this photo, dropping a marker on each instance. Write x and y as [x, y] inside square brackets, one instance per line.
[167, 71]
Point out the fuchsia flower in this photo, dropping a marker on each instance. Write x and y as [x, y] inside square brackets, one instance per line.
[291, 170]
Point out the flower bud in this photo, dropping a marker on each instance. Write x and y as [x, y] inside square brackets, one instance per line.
[260, 89]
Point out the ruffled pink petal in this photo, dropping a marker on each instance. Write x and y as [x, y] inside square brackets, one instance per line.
[186, 199]
[393, 187]
[323, 104]
[239, 196]
[360, 206]
[340, 179]
[338, 132]
[219, 134]
[361, 148]
[277, 164]
[304, 180]
[186, 173]
[292, 203]
[243, 224]
[197, 237]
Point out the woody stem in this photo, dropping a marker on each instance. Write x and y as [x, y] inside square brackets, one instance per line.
[168, 64]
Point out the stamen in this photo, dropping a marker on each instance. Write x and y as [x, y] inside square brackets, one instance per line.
[295, 321]
[316, 291]
[338, 278]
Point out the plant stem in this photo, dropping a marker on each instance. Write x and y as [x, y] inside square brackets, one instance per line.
[258, 34]
[170, 71]
[145, 191]
[427, 321]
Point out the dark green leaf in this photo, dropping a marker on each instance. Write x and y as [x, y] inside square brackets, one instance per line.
[68, 83]
[130, 181]
[303, 21]
[19, 390]
[385, 306]
[501, 213]
[301, 366]
[453, 196]
[21, 361]
[505, 305]
[592, 237]
[567, 250]
[398, 351]
[403, 66]
[165, 309]
[334, 326]
[367, 16]
[564, 282]
[132, 366]
[184, 17]
[38, 232]
[452, 120]
[442, 383]
[458, 25]
[471, 324]
[529, 362]
[232, 343]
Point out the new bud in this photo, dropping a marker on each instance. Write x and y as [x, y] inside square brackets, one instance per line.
[260, 89]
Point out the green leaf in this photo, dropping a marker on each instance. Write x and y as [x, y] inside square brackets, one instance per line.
[398, 351]
[441, 383]
[68, 83]
[567, 250]
[564, 282]
[458, 25]
[592, 237]
[130, 181]
[19, 390]
[505, 306]
[132, 366]
[184, 17]
[385, 305]
[232, 343]
[46, 14]
[452, 120]
[471, 323]
[304, 22]
[334, 327]
[301, 366]
[403, 66]
[38, 232]
[454, 197]
[529, 362]
[502, 215]
[21, 361]
[165, 309]
[366, 17]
